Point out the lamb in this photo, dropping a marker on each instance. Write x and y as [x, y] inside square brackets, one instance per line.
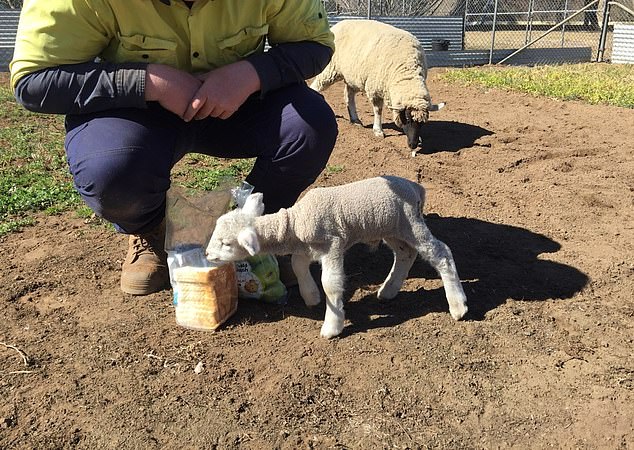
[389, 65]
[325, 223]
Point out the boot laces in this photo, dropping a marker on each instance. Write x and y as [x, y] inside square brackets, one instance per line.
[146, 243]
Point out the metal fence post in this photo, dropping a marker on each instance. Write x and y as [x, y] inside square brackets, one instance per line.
[464, 22]
[604, 30]
[495, 17]
[529, 21]
[563, 27]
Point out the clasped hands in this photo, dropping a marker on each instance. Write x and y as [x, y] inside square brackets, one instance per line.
[218, 93]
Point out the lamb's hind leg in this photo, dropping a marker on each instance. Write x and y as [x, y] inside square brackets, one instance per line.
[332, 280]
[307, 287]
[348, 96]
[438, 254]
[404, 257]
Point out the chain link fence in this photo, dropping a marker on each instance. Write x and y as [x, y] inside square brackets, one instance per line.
[504, 27]
[511, 24]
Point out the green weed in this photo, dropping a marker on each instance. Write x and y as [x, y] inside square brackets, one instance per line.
[34, 177]
[608, 84]
[334, 169]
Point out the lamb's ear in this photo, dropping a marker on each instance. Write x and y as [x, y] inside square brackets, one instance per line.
[249, 240]
[254, 205]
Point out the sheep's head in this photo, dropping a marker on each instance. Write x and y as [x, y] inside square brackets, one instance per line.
[234, 237]
[411, 121]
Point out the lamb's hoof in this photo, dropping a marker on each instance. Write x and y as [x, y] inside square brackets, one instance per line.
[331, 330]
[356, 121]
[311, 298]
[312, 301]
[387, 293]
[414, 153]
[379, 133]
[458, 312]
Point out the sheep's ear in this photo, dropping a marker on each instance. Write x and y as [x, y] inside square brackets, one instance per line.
[249, 240]
[436, 107]
[254, 205]
[399, 118]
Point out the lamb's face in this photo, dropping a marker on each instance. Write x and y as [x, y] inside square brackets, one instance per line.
[224, 244]
[411, 121]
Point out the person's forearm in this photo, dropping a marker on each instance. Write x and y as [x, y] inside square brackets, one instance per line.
[83, 88]
[289, 63]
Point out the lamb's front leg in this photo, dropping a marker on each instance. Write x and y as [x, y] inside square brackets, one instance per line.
[307, 287]
[333, 280]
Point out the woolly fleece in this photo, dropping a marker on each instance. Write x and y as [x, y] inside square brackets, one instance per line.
[361, 211]
[381, 60]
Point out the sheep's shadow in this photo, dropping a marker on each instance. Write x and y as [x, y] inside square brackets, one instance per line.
[441, 136]
[496, 262]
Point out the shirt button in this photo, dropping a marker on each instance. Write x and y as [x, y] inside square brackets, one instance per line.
[195, 54]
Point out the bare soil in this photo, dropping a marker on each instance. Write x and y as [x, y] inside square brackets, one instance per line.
[534, 196]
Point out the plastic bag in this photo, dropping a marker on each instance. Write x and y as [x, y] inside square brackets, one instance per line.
[205, 294]
[258, 276]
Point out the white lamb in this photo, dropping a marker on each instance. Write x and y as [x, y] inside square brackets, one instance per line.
[326, 222]
[389, 65]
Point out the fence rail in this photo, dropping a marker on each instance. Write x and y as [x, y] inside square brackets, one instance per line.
[472, 27]
[8, 28]
[427, 28]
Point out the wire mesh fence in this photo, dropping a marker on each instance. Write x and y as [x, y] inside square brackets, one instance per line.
[486, 25]
[510, 24]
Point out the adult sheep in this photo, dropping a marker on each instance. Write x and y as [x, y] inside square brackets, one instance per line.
[389, 65]
[326, 222]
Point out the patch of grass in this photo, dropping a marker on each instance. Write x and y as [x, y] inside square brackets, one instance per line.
[34, 175]
[33, 172]
[334, 169]
[14, 225]
[609, 84]
[208, 173]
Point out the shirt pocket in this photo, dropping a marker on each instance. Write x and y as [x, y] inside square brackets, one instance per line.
[246, 42]
[316, 26]
[141, 48]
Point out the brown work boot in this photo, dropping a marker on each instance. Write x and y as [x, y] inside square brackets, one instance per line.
[144, 270]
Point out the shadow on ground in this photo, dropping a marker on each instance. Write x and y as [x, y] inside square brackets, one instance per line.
[443, 136]
[496, 262]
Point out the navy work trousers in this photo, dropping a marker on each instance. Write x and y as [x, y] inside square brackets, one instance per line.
[121, 159]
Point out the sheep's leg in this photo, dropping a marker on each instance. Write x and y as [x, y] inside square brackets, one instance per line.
[332, 280]
[307, 287]
[377, 106]
[348, 97]
[404, 257]
[438, 254]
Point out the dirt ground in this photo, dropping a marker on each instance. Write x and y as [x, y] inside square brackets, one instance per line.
[534, 196]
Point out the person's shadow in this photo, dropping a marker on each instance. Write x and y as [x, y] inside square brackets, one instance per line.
[496, 262]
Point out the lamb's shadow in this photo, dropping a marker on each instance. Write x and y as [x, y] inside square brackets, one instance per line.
[442, 136]
[496, 262]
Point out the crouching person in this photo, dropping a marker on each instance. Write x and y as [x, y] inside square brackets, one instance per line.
[143, 83]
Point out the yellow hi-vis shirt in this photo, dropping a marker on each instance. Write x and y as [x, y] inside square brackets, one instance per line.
[212, 34]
